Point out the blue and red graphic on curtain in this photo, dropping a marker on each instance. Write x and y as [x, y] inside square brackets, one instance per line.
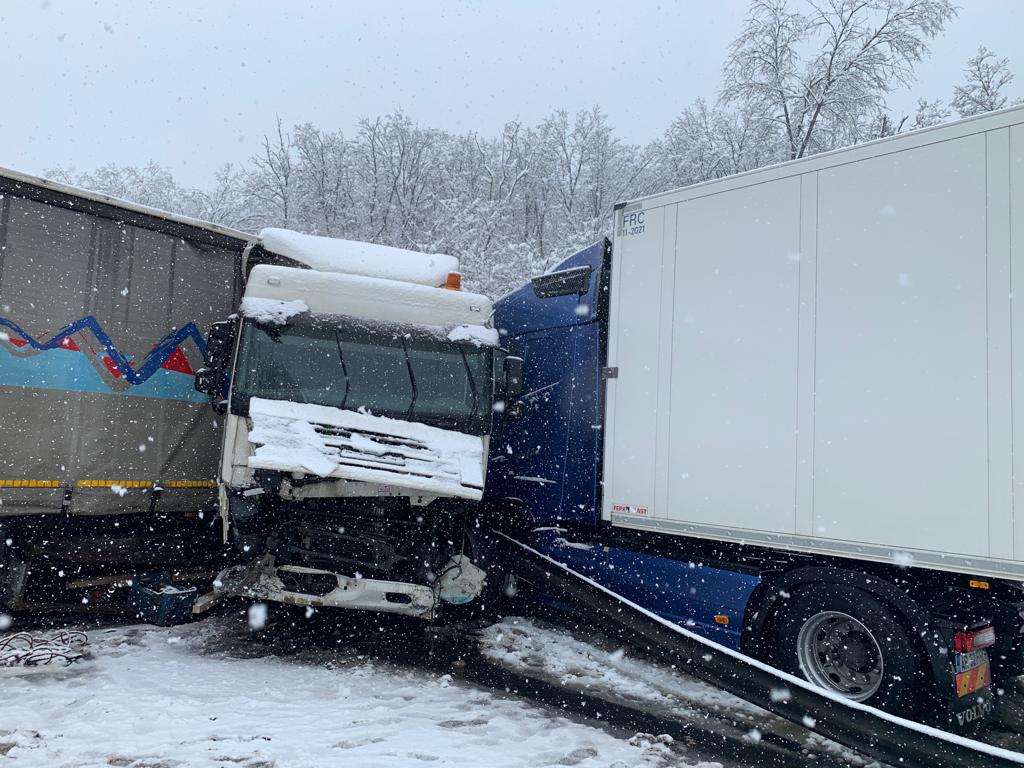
[81, 357]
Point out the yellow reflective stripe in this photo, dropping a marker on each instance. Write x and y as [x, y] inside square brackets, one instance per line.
[25, 483]
[109, 483]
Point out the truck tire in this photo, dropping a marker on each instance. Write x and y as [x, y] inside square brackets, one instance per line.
[849, 642]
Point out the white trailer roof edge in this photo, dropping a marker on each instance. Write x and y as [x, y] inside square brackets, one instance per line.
[99, 197]
[922, 137]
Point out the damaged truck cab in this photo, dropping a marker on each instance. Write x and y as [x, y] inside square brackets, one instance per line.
[357, 383]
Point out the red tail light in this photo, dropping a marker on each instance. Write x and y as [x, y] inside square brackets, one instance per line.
[975, 640]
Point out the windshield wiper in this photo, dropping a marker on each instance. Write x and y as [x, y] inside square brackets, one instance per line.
[344, 369]
[412, 380]
[472, 384]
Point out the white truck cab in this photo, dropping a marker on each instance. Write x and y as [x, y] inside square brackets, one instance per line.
[357, 383]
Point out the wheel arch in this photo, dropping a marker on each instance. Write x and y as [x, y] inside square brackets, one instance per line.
[768, 599]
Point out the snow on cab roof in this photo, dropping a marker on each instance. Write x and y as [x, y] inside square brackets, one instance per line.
[369, 298]
[329, 254]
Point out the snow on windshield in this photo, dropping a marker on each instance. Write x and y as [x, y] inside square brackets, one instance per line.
[328, 254]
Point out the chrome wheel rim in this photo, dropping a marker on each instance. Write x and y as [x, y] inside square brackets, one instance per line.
[837, 652]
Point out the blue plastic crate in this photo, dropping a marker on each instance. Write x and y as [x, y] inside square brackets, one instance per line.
[158, 600]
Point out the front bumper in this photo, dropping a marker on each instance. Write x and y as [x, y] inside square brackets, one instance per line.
[262, 580]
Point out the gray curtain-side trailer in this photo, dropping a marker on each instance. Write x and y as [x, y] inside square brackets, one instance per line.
[108, 455]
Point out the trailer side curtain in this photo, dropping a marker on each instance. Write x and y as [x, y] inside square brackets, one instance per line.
[101, 329]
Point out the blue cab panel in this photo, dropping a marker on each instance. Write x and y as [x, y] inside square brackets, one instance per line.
[689, 594]
[548, 459]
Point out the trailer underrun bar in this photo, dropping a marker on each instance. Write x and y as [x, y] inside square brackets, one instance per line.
[871, 732]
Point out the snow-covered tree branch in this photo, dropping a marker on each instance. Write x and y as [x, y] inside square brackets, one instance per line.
[814, 73]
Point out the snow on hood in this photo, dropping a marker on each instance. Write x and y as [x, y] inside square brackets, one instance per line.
[272, 311]
[335, 443]
[328, 254]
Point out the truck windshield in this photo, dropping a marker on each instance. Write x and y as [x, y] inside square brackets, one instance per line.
[390, 370]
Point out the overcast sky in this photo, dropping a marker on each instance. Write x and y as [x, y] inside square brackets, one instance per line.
[194, 84]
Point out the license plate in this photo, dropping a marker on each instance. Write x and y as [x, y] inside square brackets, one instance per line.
[967, 661]
[973, 679]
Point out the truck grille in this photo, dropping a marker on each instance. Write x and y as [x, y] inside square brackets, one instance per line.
[401, 457]
[330, 442]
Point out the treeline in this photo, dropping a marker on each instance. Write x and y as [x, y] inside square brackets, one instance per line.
[800, 78]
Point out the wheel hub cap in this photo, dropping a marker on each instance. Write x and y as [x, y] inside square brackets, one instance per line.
[836, 651]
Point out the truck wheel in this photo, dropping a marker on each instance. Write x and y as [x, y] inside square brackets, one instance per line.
[847, 641]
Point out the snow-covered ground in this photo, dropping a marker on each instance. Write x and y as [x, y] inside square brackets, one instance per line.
[163, 698]
[295, 695]
[601, 668]
[533, 647]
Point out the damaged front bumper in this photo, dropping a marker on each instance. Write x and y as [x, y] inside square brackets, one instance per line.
[299, 585]
[459, 583]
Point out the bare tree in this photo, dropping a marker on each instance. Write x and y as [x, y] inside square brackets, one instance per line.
[151, 185]
[930, 113]
[814, 74]
[985, 77]
[504, 165]
[323, 181]
[270, 181]
[707, 142]
[226, 203]
[883, 124]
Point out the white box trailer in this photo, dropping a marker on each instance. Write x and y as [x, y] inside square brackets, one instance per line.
[826, 356]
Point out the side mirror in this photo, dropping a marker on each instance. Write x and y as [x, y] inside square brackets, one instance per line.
[219, 342]
[209, 381]
[513, 371]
